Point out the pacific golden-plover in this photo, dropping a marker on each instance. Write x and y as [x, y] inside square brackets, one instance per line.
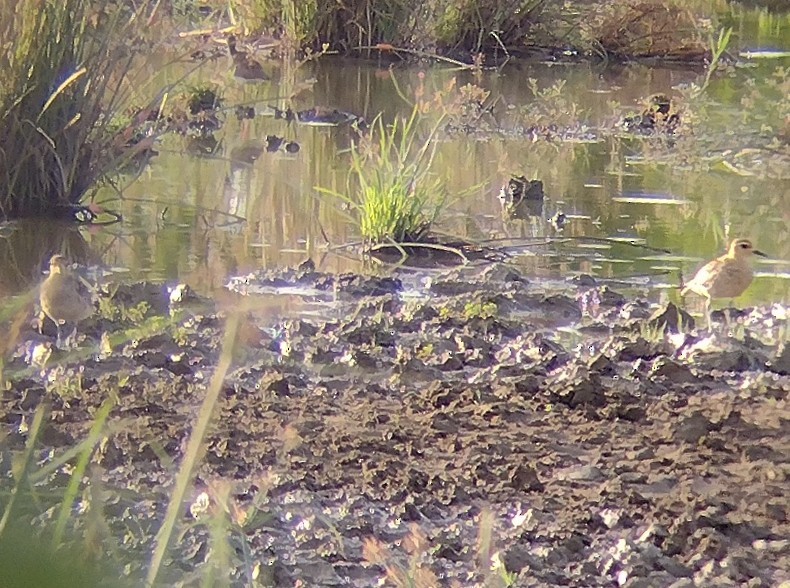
[726, 276]
[64, 299]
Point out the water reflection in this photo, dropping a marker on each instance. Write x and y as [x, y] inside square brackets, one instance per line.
[210, 207]
[26, 246]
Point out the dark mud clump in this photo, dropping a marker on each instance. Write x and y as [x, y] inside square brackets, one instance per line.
[603, 448]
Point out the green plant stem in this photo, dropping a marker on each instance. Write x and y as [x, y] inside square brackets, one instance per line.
[72, 489]
[33, 433]
[717, 49]
[194, 451]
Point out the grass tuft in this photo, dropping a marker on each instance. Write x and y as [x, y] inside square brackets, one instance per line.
[60, 83]
[393, 196]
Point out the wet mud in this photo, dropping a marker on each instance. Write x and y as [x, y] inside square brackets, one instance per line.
[602, 443]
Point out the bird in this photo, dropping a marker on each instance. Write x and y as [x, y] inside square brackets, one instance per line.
[246, 68]
[727, 276]
[63, 297]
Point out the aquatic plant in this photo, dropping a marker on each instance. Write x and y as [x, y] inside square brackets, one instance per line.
[299, 20]
[480, 309]
[393, 196]
[61, 76]
[718, 47]
[470, 32]
[654, 332]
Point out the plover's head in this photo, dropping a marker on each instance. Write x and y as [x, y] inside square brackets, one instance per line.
[743, 248]
[57, 264]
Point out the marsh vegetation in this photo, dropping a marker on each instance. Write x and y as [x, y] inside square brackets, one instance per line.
[325, 353]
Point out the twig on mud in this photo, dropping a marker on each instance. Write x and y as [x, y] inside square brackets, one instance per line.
[612, 242]
[344, 246]
[483, 245]
[416, 245]
[550, 240]
[323, 233]
[207, 31]
[502, 45]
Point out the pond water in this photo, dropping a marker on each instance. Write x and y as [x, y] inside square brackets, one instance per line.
[202, 213]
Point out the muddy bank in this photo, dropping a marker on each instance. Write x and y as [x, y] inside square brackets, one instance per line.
[400, 411]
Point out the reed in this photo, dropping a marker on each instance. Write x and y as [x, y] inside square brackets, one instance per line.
[442, 25]
[61, 78]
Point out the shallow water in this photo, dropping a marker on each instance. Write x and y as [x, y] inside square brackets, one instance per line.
[201, 217]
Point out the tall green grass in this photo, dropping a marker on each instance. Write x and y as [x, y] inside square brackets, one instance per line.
[61, 73]
[718, 47]
[622, 29]
[442, 25]
[32, 559]
[392, 193]
[295, 21]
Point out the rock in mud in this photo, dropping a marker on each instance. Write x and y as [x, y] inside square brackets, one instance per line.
[671, 319]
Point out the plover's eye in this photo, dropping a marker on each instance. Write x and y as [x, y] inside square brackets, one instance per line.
[745, 245]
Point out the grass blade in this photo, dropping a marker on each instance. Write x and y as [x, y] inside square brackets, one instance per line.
[193, 452]
[21, 478]
[94, 436]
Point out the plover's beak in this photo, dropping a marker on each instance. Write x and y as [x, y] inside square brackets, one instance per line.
[760, 253]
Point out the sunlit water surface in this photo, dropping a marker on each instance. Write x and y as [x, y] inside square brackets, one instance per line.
[201, 217]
